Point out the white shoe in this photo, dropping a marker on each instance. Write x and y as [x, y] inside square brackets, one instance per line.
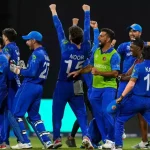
[142, 145]
[117, 149]
[4, 146]
[48, 145]
[22, 146]
[87, 143]
[109, 144]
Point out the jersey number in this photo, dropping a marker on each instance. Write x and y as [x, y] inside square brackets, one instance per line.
[148, 81]
[69, 62]
[44, 73]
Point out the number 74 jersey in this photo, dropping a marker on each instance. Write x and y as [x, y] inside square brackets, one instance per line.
[37, 68]
[72, 59]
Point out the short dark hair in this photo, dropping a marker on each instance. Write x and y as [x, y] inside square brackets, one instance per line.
[138, 42]
[110, 33]
[146, 52]
[10, 33]
[76, 34]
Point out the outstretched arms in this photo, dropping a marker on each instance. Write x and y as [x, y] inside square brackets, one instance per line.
[94, 25]
[58, 25]
[86, 9]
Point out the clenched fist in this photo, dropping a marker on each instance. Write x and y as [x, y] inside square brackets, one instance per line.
[86, 7]
[52, 7]
[93, 24]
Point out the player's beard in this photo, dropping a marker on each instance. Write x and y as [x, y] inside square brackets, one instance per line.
[101, 45]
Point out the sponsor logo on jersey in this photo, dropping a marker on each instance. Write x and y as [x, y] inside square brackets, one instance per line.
[100, 66]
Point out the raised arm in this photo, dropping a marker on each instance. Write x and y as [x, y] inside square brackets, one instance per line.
[58, 25]
[86, 9]
[94, 25]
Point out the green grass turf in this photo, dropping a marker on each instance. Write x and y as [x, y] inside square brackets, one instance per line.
[37, 145]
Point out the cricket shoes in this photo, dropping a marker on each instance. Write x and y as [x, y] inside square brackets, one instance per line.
[108, 145]
[4, 146]
[142, 145]
[48, 145]
[71, 142]
[22, 146]
[118, 148]
[57, 143]
[87, 143]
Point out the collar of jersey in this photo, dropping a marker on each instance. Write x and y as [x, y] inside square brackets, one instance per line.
[108, 51]
[38, 48]
[11, 43]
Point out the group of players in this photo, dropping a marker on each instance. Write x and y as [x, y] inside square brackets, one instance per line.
[101, 69]
[98, 66]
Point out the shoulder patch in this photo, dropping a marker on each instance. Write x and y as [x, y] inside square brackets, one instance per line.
[65, 41]
[33, 57]
[5, 49]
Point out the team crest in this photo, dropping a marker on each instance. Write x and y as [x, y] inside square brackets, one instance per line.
[104, 58]
[114, 107]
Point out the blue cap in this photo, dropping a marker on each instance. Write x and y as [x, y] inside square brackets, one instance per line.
[33, 35]
[135, 27]
[112, 107]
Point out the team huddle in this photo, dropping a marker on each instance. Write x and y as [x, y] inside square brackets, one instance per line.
[97, 65]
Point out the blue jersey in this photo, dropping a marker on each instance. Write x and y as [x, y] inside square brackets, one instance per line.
[3, 70]
[127, 61]
[37, 68]
[142, 73]
[11, 50]
[88, 78]
[72, 58]
[126, 56]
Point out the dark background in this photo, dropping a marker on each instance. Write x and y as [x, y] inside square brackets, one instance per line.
[27, 15]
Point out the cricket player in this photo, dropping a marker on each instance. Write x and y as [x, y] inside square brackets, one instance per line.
[73, 54]
[139, 102]
[136, 48]
[88, 81]
[27, 99]
[135, 31]
[104, 65]
[11, 51]
[4, 67]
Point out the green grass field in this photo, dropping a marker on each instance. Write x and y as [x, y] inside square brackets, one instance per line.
[37, 145]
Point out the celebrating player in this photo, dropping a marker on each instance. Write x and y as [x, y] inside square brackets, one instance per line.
[29, 95]
[73, 55]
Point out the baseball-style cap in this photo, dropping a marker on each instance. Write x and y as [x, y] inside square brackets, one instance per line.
[33, 35]
[135, 27]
